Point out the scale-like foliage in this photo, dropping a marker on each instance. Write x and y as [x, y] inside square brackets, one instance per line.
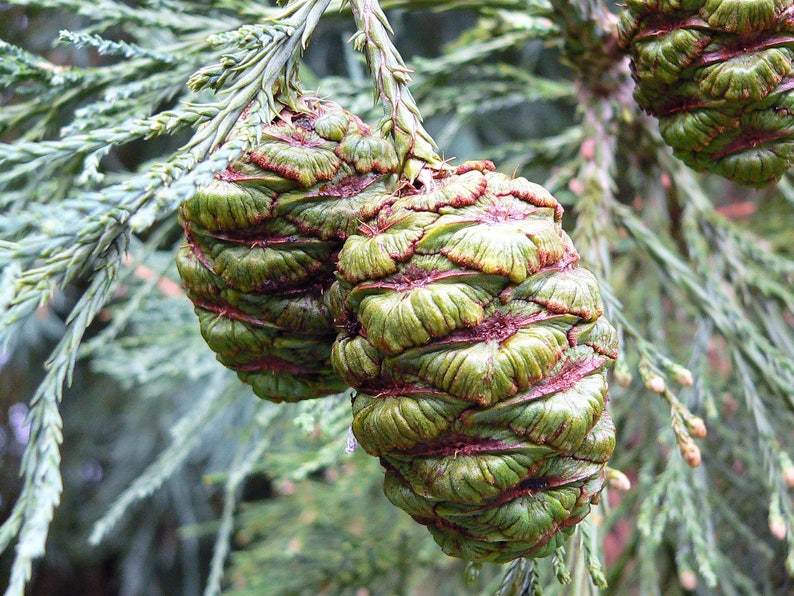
[105, 135]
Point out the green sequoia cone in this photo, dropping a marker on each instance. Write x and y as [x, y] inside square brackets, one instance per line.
[479, 352]
[261, 243]
[718, 76]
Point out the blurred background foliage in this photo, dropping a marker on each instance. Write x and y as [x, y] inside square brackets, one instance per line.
[169, 464]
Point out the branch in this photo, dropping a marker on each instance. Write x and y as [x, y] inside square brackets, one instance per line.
[403, 121]
[91, 238]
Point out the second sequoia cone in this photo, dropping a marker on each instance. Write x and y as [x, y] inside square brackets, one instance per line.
[261, 243]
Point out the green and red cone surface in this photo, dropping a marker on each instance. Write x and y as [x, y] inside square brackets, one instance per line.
[261, 243]
[479, 352]
[475, 341]
[718, 75]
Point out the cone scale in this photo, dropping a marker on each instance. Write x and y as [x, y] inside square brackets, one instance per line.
[718, 75]
[479, 352]
[261, 243]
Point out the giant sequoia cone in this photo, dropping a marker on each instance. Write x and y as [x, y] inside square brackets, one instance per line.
[261, 243]
[718, 76]
[479, 352]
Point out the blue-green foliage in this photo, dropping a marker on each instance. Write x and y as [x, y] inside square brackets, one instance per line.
[107, 126]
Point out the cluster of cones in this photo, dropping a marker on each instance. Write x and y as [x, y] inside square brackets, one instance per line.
[453, 304]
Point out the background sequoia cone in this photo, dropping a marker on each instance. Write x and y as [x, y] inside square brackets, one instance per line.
[261, 243]
[718, 76]
[479, 353]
